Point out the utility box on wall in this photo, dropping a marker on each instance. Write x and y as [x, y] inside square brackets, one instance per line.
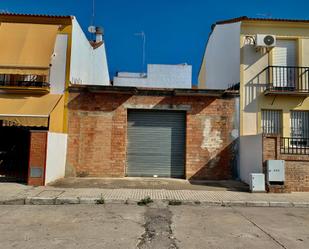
[275, 171]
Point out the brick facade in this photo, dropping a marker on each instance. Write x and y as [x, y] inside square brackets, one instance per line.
[296, 166]
[37, 156]
[97, 133]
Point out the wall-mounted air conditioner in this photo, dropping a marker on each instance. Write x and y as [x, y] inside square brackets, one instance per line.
[266, 41]
[275, 171]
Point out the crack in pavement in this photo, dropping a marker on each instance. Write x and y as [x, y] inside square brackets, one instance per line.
[260, 228]
[158, 232]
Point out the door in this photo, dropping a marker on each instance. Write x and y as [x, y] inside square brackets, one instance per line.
[156, 143]
[284, 59]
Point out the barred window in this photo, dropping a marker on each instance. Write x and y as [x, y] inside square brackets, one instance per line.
[272, 122]
[300, 124]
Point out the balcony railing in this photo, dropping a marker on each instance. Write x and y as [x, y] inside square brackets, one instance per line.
[285, 79]
[15, 81]
[37, 84]
[294, 146]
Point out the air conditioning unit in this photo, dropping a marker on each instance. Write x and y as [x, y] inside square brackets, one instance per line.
[275, 171]
[257, 182]
[267, 41]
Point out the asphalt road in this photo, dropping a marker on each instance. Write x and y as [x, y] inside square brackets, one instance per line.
[156, 226]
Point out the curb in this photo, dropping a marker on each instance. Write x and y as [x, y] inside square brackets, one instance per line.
[98, 201]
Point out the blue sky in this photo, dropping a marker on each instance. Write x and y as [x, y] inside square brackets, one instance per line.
[176, 30]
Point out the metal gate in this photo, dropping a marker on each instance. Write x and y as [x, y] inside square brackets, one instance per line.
[156, 143]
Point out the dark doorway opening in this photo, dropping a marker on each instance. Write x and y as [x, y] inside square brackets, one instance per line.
[14, 154]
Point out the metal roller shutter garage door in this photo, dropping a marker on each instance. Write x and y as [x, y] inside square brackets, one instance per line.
[156, 143]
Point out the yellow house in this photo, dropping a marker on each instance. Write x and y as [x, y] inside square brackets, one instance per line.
[40, 56]
[268, 60]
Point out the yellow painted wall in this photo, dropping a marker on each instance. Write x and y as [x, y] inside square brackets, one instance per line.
[56, 117]
[252, 81]
[65, 25]
[67, 30]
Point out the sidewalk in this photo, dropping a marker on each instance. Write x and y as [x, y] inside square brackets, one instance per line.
[11, 193]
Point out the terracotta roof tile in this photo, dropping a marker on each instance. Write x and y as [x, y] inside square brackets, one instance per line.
[245, 18]
[33, 15]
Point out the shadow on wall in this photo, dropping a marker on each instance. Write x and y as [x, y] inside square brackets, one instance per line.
[254, 87]
[110, 102]
[223, 166]
[194, 105]
[100, 102]
[255, 65]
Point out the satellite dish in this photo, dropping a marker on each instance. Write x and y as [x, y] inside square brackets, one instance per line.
[92, 29]
[269, 40]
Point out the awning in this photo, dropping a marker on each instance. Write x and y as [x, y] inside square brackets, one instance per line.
[26, 48]
[26, 110]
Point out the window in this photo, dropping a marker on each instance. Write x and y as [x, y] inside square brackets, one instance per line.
[272, 122]
[300, 124]
[300, 128]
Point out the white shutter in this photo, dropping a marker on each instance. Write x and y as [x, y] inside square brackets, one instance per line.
[284, 55]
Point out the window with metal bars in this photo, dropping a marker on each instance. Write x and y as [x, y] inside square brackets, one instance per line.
[271, 122]
[300, 128]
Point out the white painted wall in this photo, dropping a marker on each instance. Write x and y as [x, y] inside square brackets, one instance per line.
[58, 65]
[158, 76]
[56, 156]
[222, 56]
[88, 65]
[251, 149]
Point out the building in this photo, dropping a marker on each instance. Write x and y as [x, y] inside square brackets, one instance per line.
[145, 132]
[40, 57]
[268, 59]
[157, 76]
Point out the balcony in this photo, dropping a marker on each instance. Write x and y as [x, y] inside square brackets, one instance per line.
[287, 80]
[294, 146]
[24, 83]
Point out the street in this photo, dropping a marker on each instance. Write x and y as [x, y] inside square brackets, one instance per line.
[155, 226]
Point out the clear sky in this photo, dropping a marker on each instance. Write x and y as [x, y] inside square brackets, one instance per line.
[176, 30]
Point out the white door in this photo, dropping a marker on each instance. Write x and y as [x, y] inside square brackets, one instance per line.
[284, 58]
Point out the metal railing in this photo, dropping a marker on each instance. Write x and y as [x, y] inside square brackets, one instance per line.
[287, 79]
[24, 84]
[294, 146]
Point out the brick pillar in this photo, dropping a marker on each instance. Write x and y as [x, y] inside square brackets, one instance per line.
[37, 158]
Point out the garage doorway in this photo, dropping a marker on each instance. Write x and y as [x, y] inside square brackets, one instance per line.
[156, 143]
[14, 154]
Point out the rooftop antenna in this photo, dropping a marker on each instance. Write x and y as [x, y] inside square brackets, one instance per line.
[93, 12]
[143, 36]
[92, 28]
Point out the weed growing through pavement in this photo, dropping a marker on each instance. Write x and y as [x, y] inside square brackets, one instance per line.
[145, 201]
[101, 200]
[174, 202]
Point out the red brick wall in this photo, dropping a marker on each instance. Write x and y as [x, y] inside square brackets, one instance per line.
[98, 132]
[296, 166]
[37, 156]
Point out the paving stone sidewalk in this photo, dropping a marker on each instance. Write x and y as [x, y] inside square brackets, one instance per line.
[21, 194]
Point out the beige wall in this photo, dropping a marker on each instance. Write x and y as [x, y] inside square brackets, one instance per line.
[253, 78]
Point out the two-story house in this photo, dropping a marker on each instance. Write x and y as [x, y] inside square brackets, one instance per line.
[40, 56]
[268, 59]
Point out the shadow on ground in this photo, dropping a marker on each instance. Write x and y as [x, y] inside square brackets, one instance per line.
[151, 183]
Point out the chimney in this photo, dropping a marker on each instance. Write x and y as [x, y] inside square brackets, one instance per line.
[99, 34]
